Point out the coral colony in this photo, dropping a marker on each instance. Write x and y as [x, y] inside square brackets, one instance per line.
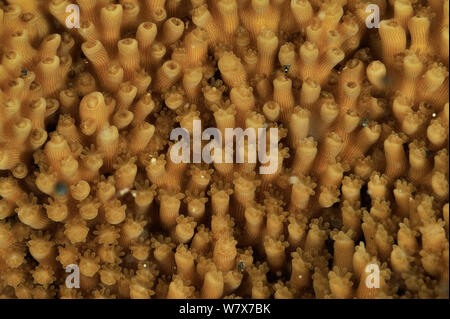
[355, 204]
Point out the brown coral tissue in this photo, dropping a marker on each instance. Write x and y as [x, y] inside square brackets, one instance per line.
[357, 207]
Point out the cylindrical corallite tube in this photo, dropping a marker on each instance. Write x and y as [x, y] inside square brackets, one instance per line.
[360, 260]
[212, 285]
[299, 125]
[220, 201]
[92, 106]
[167, 75]
[253, 222]
[42, 249]
[37, 138]
[129, 56]
[244, 100]
[419, 30]
[437, 134]
[169, 209]
[275, 253]
[202, 240]
[283, 95]
[146, 35]
[393, 40]
[343, 250]
[250, 59]
[20, 41]
[402, 193]
[315, 239]
[97, 55]
[69, 169]
[333, 174]
[131, 229]
[184, 258]
[9, 158]
[164, 256]
[114, 212]
[384, 243]
[56, 149]
[310, 93]
[302, 11]
[229, 22]
[396, 161]
[244, 192]
[296, 231]
[376, 74]
[378, 186]
[156, 54]
[88, 208]
[351, 188]
[301, 269]
[179, 290]
[271, 111]
[196, 45]
[89, 267]
[66, 127]
[406, 238]
[172, 30]
[184, 229]
[125, 173]
[305, 154]
[140, 137]
[192, 78]
[225, 118]
[326, 63]
[10, 190]
[412, 70]
[213, 93]
[403, 11]
[351, 217]
[125, 95]
[202, 18]
[156, 171]
[301, 192]
[31, 214]
[400, 260]
[267, 44]
[174, 171]
[200, 179]
[366, 137]
[340, 283]
[369, 228]
[88, 31]
[47, 75]
[331, 147]
[143, 107]
[131, 12]
[231, 281]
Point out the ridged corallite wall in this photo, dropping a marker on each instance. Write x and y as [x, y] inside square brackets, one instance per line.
[87, 177]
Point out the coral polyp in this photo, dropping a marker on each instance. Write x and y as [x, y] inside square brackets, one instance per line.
[92, 90]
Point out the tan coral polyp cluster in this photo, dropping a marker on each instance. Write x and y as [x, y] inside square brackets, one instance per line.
[87, 177]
